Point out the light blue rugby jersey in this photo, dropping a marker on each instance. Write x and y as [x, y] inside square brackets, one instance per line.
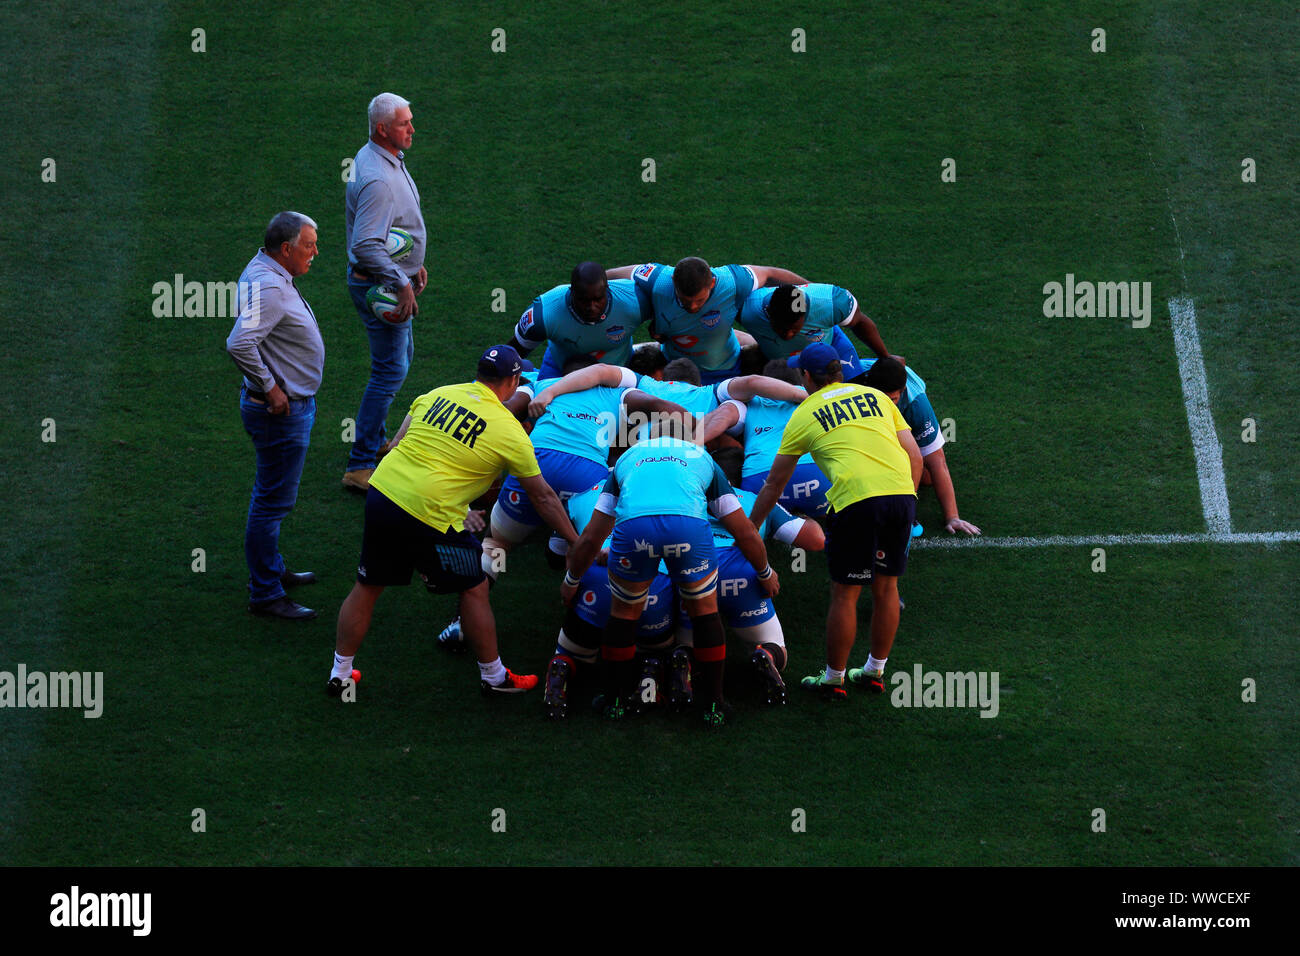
[765, 421]
[582, 505]
[706, 338]
[699, 400]
[828, 306]
[579, 423]
[666, 476]
[779, 523]
[609, 340]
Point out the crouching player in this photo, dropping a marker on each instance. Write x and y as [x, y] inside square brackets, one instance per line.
[578, 646]
[858, 437]
[453, 444]
[656, 503]
[745, 609]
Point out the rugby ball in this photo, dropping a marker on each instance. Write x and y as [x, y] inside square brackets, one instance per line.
[399, 244]
[382, 302]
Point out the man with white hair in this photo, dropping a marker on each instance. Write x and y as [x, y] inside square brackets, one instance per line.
[277, 345]
[381, 197]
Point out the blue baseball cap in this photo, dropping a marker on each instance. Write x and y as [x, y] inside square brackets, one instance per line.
[815, 357]
[500, 361]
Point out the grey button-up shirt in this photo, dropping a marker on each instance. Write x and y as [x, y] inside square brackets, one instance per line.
[380, 196]
[276, 340]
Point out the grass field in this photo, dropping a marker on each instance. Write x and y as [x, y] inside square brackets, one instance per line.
[1120, 690]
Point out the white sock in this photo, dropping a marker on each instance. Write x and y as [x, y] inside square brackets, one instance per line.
[873, 666]
[494, 673]
[342, 667]
[833, 676]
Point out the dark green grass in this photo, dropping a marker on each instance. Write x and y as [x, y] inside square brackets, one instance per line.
[1121, 690]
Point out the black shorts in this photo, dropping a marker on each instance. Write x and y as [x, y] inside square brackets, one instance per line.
[395, 543]
[871, 535]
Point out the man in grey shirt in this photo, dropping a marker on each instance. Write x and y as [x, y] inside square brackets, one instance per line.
[381, 197]
[277, 345]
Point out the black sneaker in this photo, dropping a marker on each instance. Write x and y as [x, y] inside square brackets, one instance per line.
[680, 695]
[556, 696]
[334, 687]
[773, 685]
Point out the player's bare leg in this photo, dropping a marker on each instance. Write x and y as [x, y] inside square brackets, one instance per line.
[478, 623]
[884, 614]
[354, 623]
[884, 626]
[354, 617]
[480, 628]
[842, 624]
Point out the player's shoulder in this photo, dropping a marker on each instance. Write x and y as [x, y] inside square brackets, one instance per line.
[549, 303]
[756, 300]
[742, 276]
[649, 272]
[622, 290]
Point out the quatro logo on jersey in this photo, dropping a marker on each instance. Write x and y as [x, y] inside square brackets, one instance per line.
[685, 341]
[643, 272]
[526, 322]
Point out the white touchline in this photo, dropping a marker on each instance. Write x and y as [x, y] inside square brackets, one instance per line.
[1205, 441]
[1077, 541]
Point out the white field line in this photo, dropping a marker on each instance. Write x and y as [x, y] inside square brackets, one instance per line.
[1109, 540]
[1205, 441]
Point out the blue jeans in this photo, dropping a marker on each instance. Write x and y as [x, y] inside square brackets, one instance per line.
[281, 443]
[392, 346]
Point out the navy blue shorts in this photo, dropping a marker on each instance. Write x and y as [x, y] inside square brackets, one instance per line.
[804, 493]
[870, 536]
[568, 475]
[592, 605]
[395, 543]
